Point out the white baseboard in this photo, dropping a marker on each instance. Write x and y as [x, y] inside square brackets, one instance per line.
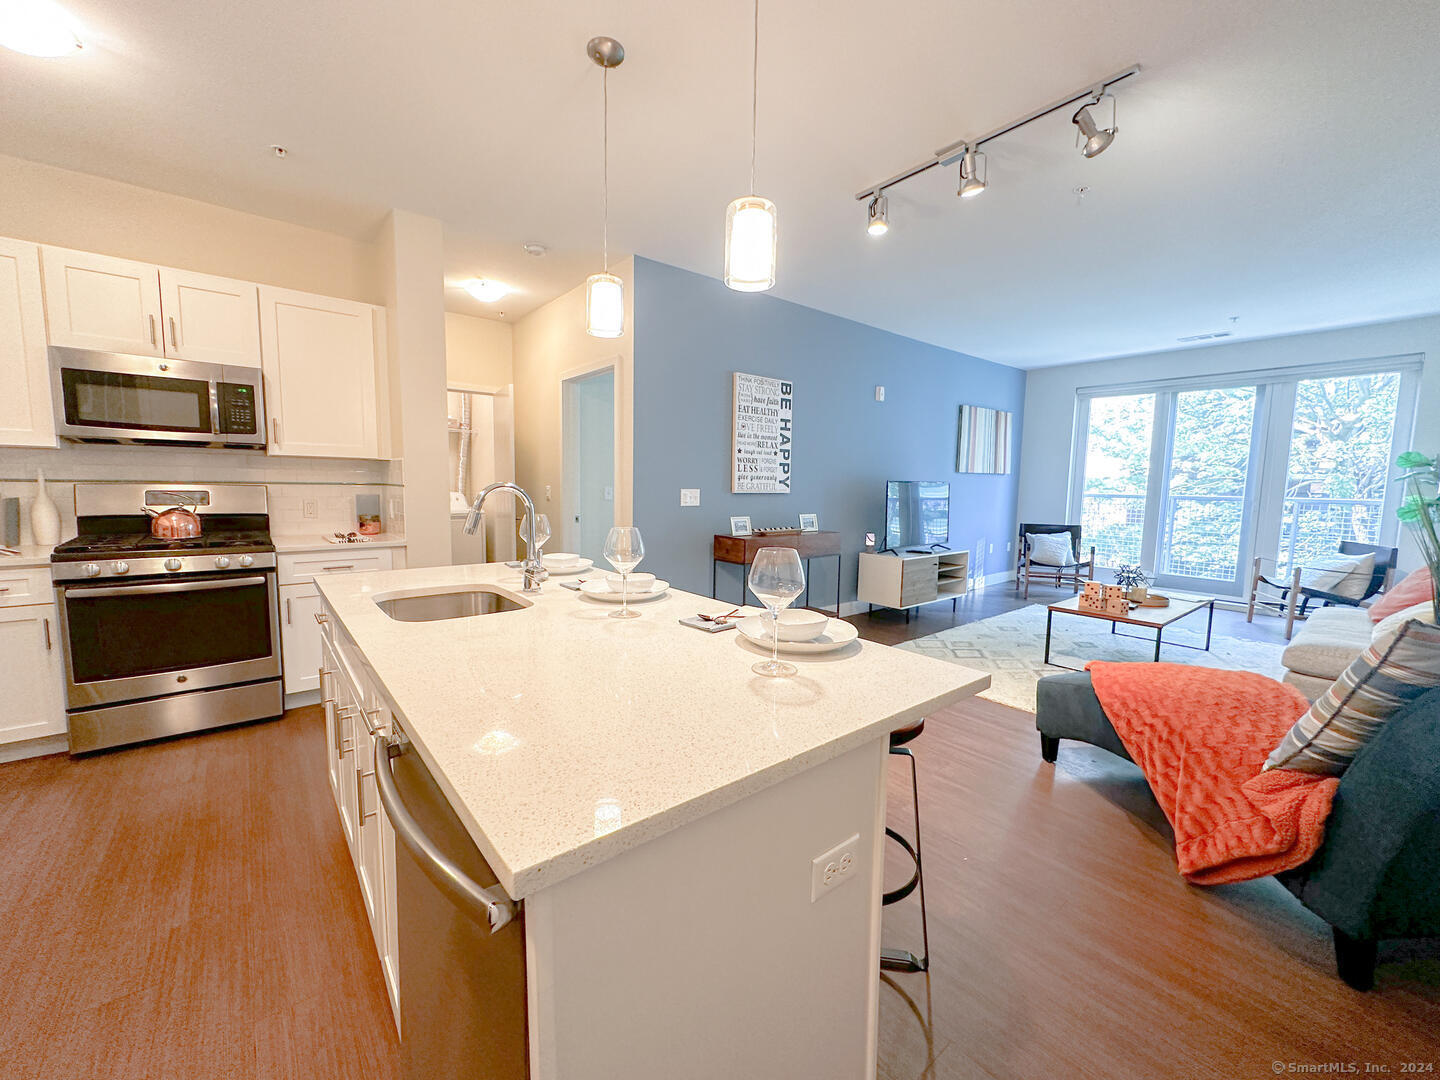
[28, 748]
[300, 700]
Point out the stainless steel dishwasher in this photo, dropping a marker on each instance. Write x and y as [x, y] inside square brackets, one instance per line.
[461, 938]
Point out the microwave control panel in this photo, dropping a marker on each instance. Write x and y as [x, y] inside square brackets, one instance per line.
[237, 408]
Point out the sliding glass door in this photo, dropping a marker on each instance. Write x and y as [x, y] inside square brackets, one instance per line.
[1193, 482]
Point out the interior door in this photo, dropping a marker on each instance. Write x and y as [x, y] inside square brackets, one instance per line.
[27, 415]
[210, 319]
[99, 302]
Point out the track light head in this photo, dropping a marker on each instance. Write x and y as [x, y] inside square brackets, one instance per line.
[1096, 138]
[974, 174]
[879, 223]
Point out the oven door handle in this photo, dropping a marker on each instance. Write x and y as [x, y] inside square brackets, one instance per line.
[166, 587]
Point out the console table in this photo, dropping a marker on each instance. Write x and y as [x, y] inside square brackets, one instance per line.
[903, 580]
[740, 551]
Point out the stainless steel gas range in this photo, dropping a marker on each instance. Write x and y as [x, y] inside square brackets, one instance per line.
[163, 637]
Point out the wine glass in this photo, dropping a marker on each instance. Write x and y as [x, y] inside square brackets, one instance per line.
[542, 534]
[776, 579]
[623, 550]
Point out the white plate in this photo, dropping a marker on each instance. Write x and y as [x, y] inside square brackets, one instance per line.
[596, 589]
[576, 567]
[838, 634]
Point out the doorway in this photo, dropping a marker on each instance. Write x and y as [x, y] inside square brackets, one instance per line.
[482, 450]
[588, 487]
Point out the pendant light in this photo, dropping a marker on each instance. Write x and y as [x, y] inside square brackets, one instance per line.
[604, 292]
[750, 229]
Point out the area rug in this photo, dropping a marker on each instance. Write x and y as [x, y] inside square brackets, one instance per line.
[1010, 648]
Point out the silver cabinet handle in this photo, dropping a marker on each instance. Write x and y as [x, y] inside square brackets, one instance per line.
[152, 331]
[347, 566]
[174, 340]
[275, 429]
[5, 589]
[48, 645]
[375, 729]
[288, 621]
[475, 900]
[321, 618]
[360, 779]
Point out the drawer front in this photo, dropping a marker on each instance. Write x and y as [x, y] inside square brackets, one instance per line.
[19, 588]
[918, 570]
[299, 569]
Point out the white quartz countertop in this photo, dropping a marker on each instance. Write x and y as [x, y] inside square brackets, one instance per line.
[300, 542]
[31, 556]
[564, 737]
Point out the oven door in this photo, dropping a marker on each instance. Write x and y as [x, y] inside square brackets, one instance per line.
[117, 397]
[150, 639]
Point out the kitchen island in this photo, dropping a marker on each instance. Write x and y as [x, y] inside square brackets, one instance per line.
[663, 816]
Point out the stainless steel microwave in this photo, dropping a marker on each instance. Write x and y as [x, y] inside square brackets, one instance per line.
[116, 397]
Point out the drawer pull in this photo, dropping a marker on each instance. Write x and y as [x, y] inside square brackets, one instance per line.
[6, 589]
[48, 645]
[321, 618]
[152, 331]
[347, 566]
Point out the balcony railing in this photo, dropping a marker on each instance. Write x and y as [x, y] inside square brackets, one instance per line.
[1200, 534]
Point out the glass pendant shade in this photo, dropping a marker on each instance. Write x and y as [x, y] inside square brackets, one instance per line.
[750, 244]
[604, 306]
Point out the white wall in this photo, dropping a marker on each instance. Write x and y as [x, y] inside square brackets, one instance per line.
[478, 352]
[1048, 431]
[550, 344]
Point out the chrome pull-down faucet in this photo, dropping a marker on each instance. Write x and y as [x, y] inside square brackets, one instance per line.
[532, 569]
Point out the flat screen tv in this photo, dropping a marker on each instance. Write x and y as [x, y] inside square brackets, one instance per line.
[917, 514]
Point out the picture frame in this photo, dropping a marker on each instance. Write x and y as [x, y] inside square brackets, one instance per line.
[983, 440]
[809, 522]
[740, 526]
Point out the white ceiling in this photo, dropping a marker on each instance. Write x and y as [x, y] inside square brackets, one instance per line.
[1278, 162]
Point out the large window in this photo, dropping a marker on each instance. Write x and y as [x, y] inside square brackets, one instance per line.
[1193, 481]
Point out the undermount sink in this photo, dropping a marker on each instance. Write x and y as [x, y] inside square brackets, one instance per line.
[447, 604]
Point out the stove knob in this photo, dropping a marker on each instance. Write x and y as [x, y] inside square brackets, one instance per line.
[172, 564]
[120, 567]
[92, 569]
[246, 560]
[222, 562]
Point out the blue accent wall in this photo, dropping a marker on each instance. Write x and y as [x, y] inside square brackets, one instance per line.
[691, 333]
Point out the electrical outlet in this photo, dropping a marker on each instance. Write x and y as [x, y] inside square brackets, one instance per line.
[1007, 547]
[879, 393]
[992, 549]
[835, 867]
[309, 508]
[547, 492]
[609, 494]
[689, 496]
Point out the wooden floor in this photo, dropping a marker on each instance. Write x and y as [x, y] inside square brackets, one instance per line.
[188, 910]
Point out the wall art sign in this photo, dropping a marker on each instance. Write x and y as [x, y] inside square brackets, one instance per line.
[763, 439]
[984, 440]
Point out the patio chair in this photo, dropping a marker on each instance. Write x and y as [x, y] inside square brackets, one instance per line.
[1293, 600]
[1071, 573]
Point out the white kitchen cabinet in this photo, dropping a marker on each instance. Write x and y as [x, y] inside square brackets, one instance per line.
[320, 360]
[100, 302]
[30, 672]
[210, 319]
[300, 638]
[27, 416]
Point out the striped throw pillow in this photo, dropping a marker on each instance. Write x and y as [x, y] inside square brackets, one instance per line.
[1395, 670]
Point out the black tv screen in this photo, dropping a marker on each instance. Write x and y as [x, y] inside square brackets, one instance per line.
[917, 513]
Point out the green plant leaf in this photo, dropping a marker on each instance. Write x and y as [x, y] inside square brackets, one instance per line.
[1413, 459]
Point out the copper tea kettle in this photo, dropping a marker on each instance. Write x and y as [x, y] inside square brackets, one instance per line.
[177, 523]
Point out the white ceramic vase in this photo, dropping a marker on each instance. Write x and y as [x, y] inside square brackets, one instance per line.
[44, 517]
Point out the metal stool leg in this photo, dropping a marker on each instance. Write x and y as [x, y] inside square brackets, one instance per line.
[904, 959]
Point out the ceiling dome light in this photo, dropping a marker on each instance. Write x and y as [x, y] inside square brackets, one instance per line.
[604, 292]
[879, 223]
[487, 290]
[750, 223]
[974, 174]
[1096, 139]
[38, 28]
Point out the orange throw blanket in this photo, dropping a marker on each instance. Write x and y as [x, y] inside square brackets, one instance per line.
[1201, 735]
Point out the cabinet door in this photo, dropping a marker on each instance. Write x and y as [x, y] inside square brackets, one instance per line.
[27, 417]
[97, 302]
[367, 820]
[329, 670]
[30, 673]
[300, 638]
[210, 319]
[319, 359]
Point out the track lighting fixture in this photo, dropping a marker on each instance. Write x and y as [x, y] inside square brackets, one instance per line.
[879, 216]
[604, 292]
[974, 174]
[1096, 138]
[974, 170]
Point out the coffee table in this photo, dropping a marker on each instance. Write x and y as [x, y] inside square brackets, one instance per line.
[1155, 618]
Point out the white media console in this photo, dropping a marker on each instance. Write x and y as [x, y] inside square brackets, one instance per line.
[904, 579]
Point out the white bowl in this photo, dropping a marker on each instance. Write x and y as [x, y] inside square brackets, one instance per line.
[799, 624]
[639, 583]
[560, 560]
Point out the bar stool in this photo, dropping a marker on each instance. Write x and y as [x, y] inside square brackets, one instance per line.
[903, 959]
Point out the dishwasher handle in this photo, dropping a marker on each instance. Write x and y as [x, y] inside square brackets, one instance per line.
[492, 904]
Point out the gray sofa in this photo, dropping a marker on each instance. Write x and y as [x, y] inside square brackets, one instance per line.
[1324, 646]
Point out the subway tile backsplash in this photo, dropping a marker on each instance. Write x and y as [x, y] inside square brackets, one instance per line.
[327, 486]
